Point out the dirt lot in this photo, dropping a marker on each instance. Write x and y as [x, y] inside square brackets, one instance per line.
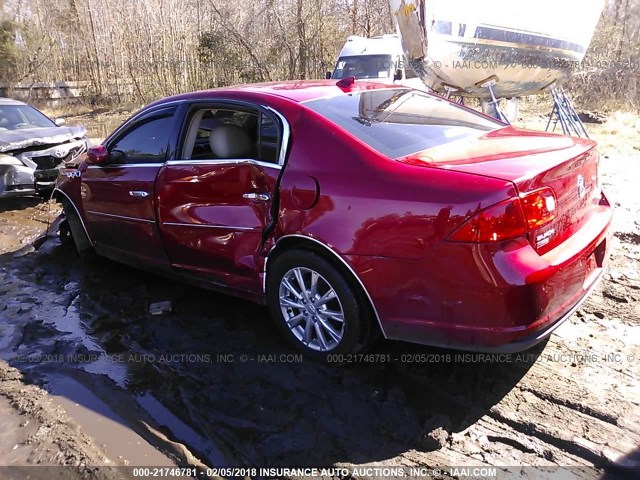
[212, 384]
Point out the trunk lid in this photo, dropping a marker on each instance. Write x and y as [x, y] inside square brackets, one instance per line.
[531, 160]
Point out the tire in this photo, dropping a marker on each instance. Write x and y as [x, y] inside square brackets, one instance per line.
[83, 244]
[321, 326]
[64, 233]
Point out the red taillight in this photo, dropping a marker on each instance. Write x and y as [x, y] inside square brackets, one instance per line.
[539, 207]
[509, 219]
[500, 222]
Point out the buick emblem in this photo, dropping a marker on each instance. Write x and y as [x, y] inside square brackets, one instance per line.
[582, 188]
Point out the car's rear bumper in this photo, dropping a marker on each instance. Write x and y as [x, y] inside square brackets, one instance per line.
[529, 341]
[501, 298]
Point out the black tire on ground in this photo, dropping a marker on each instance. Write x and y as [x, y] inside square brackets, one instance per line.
[358, 329]
[64, 233]
[80, 239]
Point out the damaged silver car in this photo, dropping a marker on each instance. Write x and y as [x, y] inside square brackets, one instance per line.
[33, 148]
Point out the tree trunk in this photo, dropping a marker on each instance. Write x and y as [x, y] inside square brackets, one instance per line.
[302, 47]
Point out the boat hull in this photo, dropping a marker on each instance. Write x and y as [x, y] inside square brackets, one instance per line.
[459, 44]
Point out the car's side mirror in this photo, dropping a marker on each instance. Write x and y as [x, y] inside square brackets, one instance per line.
[327, 75]
[60, 122]
[398, 75]
[117, 156]
[97, 155]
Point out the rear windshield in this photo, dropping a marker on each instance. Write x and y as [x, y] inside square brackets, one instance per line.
[399, 122]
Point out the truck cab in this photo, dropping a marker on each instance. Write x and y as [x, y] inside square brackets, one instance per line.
[377, 58]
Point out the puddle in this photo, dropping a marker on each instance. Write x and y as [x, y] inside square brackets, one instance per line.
[104, 365]
[107, 428]
[180, 430]
[60, 328]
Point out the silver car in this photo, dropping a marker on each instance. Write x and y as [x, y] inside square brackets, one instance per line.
[32, 148]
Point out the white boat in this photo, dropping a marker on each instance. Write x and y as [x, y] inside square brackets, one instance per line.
[518, 47]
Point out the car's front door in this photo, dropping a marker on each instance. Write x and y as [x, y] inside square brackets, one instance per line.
[217, 198]
[119, 197]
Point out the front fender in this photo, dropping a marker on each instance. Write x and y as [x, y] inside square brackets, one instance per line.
[69, 187]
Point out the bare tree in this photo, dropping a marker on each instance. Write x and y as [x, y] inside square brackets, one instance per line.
[142, 50]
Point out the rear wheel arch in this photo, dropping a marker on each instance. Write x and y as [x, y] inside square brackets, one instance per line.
[305, 243]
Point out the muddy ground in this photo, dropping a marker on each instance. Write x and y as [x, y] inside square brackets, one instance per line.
[88, 377]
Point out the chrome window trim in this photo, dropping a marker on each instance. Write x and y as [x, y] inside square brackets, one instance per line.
[336, 255]
[124, 165]
[286, 134]
[84, 227]
[200, 225]
[121, 217]
[223, 161]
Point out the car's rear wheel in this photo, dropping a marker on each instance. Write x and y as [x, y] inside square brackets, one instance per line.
[315, 307]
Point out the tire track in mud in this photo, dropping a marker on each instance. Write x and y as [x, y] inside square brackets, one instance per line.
[600, 443]
[571, 404]
[570, 411]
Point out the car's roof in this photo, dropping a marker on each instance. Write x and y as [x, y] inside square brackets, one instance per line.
[10, 101]
[295, 90]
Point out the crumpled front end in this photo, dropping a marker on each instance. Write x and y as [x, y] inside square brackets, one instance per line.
[32, 171]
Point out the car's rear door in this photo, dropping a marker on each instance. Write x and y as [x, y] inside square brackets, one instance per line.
[213, 211]
[119, 195]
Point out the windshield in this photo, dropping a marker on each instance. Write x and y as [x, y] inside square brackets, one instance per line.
[399, 122]
[16, 117]
[364, 66]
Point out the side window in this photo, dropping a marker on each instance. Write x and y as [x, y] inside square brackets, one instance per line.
[147, 142]
[228, 133]
[269, 139]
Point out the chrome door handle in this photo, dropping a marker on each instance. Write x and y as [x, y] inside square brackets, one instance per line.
[138, 194]
[258, 197]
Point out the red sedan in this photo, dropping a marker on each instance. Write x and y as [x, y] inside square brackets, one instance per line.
[351, 209]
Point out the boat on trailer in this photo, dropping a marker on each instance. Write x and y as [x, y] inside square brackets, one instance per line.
[496, 48]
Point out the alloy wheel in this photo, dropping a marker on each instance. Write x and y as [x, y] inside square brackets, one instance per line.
[311, 309]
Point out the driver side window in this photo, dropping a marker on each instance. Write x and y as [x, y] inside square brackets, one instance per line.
[146, 142]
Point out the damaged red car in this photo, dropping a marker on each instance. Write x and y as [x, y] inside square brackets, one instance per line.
[353, 210]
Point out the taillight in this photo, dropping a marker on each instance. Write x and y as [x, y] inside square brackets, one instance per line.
[500, 222]
[509, 219]
[539, 207]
